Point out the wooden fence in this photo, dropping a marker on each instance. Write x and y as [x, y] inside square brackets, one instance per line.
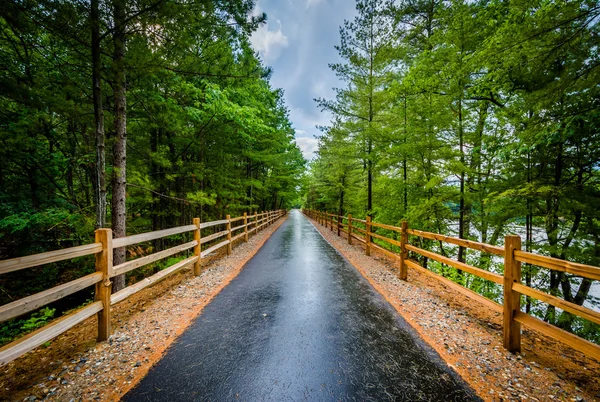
[364, 230]
[103, 251]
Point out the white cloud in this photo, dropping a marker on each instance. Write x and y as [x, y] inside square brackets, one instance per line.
[269, 43]
[307, 121]
[310, 3]
[308, 146]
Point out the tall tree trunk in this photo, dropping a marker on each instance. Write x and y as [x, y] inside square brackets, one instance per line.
[119, 207]
[461, 219]
[528, 234]
[369, 182]
[100, 166]
[552, 229]
[404, 167]
[157, 175]
[370, 128]
[341, 206]
[565, 320]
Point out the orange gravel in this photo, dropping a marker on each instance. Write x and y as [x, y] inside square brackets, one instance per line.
[465, 334]
[468, 336]
[76, 368]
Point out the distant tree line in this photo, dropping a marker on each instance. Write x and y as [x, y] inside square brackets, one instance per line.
[136, 115]
[474, 119]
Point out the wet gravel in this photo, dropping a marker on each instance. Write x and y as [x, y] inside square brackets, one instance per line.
[468, 336]
[109, 369]
[452, 325]
[300, 323]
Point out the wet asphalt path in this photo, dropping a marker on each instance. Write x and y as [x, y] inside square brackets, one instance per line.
[299, 323]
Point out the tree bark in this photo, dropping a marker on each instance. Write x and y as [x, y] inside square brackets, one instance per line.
[341, 206]
[462, 252]
[370, 130]
[100, 179]
[528, 235]
[404, 167]
[119, 207]
[552, 229]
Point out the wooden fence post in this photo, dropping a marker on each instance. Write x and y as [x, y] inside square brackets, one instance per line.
[512, 299]
[350, 229]
[368, 237]
[339, 223]
[246, 227]
[262, 217]
[104, 264]
[403, 251]
[331, 222]
[198, 247]
[229, 246]
[255, 221]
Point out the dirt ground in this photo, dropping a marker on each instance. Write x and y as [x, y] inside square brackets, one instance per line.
[74, 367]
[468, 336]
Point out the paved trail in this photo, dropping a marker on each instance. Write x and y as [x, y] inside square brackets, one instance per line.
[299, 323]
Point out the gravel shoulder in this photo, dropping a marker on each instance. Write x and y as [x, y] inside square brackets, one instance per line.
[76, 368]
[468, 336]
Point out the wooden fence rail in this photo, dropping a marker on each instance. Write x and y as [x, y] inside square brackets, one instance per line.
[103, 248]
[510, 281]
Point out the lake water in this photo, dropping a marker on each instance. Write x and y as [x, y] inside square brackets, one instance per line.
[539, 237]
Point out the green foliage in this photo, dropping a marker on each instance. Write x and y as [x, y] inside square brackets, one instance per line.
[477, 120]
[17, 327]
[207, 135]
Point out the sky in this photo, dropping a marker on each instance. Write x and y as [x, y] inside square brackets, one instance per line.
[297, 42]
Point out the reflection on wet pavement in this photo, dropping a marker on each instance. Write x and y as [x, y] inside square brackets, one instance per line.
[300, 323]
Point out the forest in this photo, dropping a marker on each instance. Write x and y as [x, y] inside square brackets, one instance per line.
[475, 119]
[134, 115]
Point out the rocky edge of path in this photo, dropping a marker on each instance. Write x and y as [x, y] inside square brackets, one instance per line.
[468, 336]
[76, 368]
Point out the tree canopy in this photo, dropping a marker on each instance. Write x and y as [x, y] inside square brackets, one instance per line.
[474, 119]
[135, 115]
